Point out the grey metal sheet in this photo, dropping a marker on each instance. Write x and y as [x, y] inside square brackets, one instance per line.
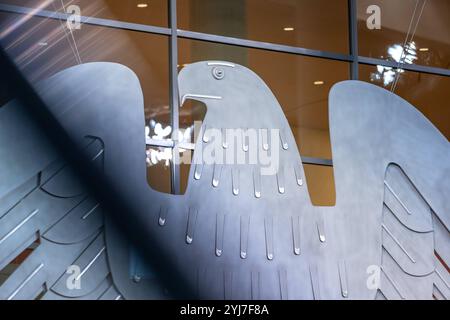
[239, 234]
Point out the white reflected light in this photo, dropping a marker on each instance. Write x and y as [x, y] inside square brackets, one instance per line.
[161, 133]
[156, 131]
[156, 156]
[407, 55]
[399, 55]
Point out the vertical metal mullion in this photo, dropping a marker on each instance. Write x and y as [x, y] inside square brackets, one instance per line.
[174, 96]
[353, 38]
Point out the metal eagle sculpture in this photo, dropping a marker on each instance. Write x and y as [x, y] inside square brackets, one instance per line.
[237, 232]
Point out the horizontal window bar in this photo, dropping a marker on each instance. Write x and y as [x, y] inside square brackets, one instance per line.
[180, 33]
[85, 20]
[224, 40]
[405, 66]
[263, 45]
[160, 143]
[317, 161]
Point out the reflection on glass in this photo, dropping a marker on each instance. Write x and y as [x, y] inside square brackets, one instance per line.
[400, 54]
[318, 24]
[154, 12]
[158, 173]
[426, 92]
[42, 47]
[411, 31]
[155, 133]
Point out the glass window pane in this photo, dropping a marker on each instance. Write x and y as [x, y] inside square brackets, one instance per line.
[158, 168]
[321, 186]
[428, 93]
[422, 27]
[154, 12]
[314, 24]
[42, 47]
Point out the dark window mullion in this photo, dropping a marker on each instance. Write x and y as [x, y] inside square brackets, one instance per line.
[353, 38]
[174, 97]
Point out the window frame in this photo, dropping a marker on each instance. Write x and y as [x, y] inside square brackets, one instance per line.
[174, 33]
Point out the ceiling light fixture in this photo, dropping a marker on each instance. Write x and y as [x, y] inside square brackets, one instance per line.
[288, 29]
[319, 83]
[424, 49]
[142, 5]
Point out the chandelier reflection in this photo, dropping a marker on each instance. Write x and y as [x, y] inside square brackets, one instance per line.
[155, 131]
[399, 54]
